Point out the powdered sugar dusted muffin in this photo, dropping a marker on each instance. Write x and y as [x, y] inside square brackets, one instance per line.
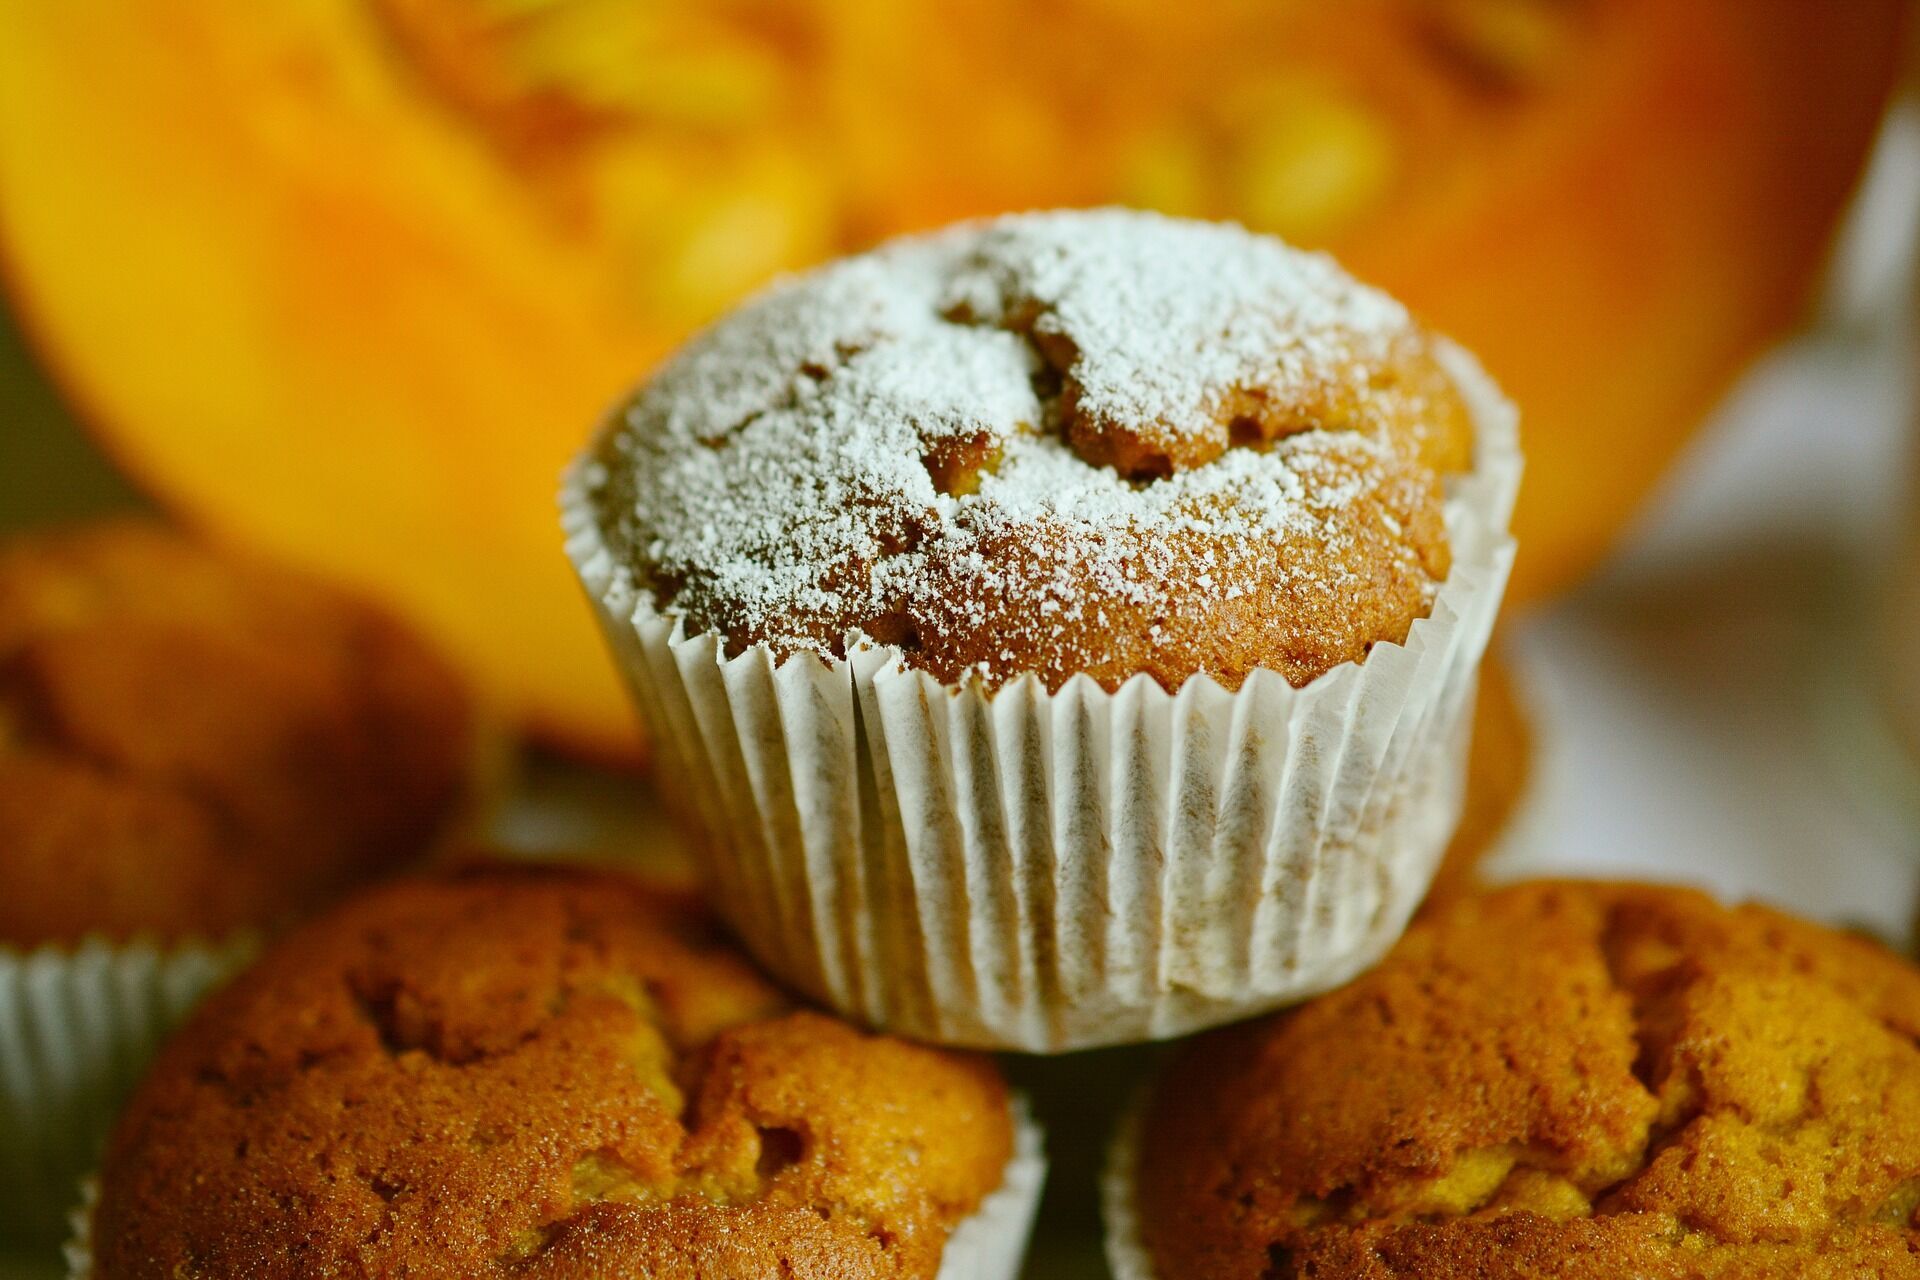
[550, 1073]
[1102, 443]
[1058, 627]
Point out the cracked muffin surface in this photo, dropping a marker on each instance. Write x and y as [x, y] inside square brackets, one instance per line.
[538, 1073]
[1559, 1079]
[1099, 442]
[192, 741]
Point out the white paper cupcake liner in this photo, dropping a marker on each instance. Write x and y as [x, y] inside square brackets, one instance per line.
[1127, 1256]
[1035, 871]
[77, 1027]
[79, 1247]
[991, 1244]
[988, 1245]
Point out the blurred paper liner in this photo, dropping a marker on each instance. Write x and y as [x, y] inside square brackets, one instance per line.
[78, 1025]
[1127, 1255]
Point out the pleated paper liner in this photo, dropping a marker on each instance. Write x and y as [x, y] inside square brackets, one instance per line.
[77, 1027]
[1127, 1256]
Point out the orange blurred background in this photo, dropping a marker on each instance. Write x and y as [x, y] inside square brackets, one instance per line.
[348, 279]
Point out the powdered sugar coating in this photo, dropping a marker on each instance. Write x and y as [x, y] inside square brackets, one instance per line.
[1008, 447]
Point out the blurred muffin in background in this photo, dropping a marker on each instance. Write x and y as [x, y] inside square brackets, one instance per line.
[194, 748]
[551, 1073]
[192, 742]
[1578, 1080]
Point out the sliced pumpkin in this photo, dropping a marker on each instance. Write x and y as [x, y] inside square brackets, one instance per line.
[351, 278]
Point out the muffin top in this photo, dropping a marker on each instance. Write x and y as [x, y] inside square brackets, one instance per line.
[191, 742]
[538, 1073]
[1103, 442]
[1579, 1080]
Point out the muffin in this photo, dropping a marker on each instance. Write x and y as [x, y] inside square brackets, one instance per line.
[544, 1072]
[194, 743]
[192, 746]
[1059, 629]
[1559, 1079]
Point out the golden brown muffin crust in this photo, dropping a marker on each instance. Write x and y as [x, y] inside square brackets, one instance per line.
[1100, 442]
[538, 1073]
[191, 742]
[1566, 1080]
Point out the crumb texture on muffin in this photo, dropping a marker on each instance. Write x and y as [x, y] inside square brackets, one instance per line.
[538, 1073]
[191, 742]
[1572, 1080]
[1101, 441]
